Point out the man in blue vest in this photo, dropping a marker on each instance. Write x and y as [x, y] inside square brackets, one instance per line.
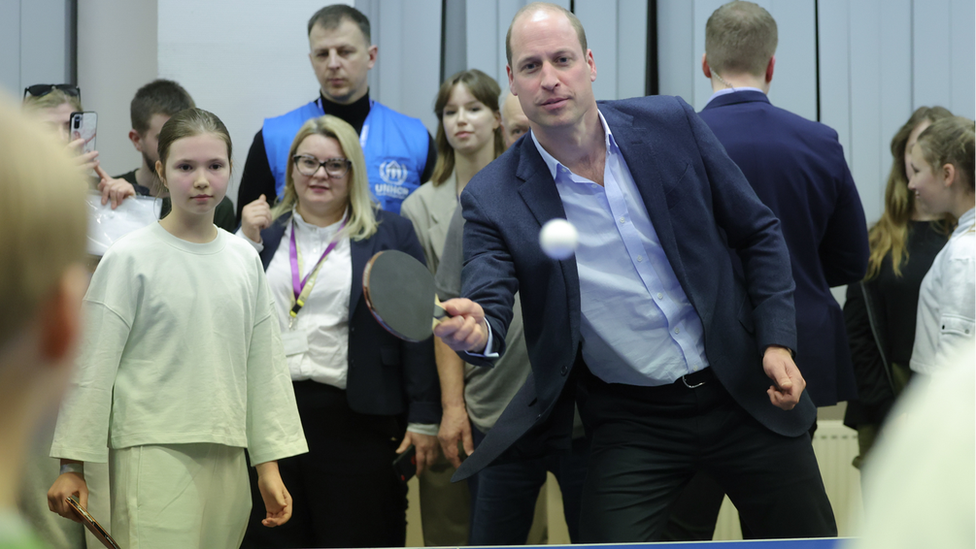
[399, 151]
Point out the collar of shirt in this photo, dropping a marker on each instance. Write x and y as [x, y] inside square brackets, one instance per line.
[554, 164]
[727, 91]
[965, 222]
[620, 260]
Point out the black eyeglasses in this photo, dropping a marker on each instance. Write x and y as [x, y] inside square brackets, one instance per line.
[307, 165]
[40, 90]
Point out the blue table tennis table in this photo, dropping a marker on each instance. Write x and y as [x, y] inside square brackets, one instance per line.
[818, 543]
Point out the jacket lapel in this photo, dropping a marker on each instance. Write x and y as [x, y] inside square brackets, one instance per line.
[538, 190]
[361, 252]
[640, 150]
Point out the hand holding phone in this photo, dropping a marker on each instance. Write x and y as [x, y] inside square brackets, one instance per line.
[405, 465]
[83, 126]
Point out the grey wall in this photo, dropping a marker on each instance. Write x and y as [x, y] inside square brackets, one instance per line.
[117, 44]
[878, 59]
[407, 72]
[35, 44]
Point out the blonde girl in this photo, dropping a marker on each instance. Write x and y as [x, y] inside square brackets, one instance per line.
[181, 368]
[942, 179]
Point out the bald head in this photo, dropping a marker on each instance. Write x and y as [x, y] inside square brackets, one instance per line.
[534, 7]
[514, 121]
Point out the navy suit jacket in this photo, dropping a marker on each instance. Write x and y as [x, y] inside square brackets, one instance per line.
[387, 376]
[700, 205]
[797, 168]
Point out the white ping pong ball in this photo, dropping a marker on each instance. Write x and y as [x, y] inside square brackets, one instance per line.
[558, 239]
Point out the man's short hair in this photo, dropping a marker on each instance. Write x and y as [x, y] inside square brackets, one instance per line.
[332, 16]
[740, 37]
[573, 20]
[42, 217]
[157, 97]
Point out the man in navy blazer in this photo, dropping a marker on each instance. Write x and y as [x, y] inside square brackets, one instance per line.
[797, 168]
[679, 362]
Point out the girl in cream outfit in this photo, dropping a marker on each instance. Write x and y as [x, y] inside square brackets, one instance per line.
[181, 369]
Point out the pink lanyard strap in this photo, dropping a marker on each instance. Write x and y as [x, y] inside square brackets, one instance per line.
[299, 285]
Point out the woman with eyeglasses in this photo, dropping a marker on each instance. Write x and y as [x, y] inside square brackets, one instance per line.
[363, 395]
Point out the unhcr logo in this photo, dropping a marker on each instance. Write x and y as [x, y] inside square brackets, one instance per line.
[393, 173]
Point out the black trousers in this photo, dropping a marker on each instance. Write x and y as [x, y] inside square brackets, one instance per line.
[648, 442]
[695, 513]
[344, 489]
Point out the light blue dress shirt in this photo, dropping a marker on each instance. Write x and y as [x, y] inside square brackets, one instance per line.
[637, 324]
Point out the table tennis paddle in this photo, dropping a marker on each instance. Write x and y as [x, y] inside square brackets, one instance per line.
[399, 291]
[89, 521]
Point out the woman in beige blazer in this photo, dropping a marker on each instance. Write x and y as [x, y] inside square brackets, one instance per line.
[468, 138]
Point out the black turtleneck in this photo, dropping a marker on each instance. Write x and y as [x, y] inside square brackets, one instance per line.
[354, 113]
[257, 178]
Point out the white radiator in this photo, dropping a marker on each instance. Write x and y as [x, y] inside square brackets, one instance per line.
[835, 446]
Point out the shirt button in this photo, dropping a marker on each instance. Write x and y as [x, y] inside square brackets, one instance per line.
[677, 330]
[640, 258]
[623, 219]
[660, 295]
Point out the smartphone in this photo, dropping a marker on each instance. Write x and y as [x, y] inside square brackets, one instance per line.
[83, 126]
[405, 465]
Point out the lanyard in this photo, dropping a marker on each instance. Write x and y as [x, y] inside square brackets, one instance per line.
[302, 287]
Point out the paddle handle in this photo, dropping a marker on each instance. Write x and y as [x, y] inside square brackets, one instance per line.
[439, 313]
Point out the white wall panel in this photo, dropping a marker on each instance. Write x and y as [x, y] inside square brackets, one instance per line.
[10, 49]
[835, 76]
[44, 42]
[112, 66]
[962, 83]
[677, 70]
[931, 52]
[866, 85]
[484, 44]
[599, 18]
[616, 32]
[894, 55]
[794, 85]
[865, 90]
[408, 35]
[243, 62]
[34, 44]
[632, 37]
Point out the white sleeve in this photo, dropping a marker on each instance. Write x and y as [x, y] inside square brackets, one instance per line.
[957, 306]
[274, 428]
[83, 420]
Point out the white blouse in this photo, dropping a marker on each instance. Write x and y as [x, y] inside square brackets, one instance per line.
[947, 301]
[317, 343]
